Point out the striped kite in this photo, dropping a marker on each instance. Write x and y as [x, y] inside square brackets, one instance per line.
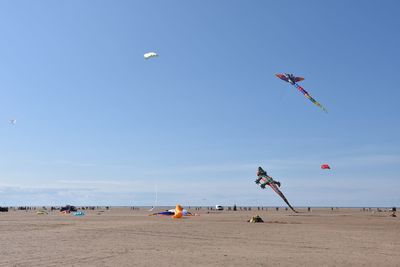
[293, 81]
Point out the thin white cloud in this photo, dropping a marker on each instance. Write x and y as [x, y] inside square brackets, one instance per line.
[369, 160]
[231, 181]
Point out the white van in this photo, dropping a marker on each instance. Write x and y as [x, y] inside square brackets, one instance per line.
[219, 207]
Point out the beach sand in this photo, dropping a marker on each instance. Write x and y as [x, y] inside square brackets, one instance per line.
[123, 237]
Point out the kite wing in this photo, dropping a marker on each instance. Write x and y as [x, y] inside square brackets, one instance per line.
[282, 77]
[298, 79]
[276, 189]
[166, 213]
[285, 78]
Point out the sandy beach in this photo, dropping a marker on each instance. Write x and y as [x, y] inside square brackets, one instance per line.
[125, 237]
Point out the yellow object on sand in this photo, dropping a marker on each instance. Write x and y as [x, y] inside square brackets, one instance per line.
[178, 212]
[41, 212]
[256, 219]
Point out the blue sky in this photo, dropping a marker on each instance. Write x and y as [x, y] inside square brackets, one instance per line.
[99, 125]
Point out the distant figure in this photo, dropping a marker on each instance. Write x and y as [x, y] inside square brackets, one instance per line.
[277, 208]
[3, 209]
[393, 212]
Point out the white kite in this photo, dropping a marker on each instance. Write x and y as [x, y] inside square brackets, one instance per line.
[150, 55]
[13, 121]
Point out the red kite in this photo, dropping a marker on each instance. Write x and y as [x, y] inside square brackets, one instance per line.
[325, 167]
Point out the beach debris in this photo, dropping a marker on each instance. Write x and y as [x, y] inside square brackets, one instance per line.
[264, 179]
[293, 81]
[256, 219]
[325, 167]
[150, 55]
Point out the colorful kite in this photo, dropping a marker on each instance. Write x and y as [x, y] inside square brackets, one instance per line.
[293, 81]
[263, 180]
[176, 213]
[325, 167]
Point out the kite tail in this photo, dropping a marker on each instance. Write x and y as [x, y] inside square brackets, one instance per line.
[282, 196]
[290, 206]
[306, 94]
[295, 211]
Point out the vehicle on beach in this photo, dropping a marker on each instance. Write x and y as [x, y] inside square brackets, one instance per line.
[219, 207]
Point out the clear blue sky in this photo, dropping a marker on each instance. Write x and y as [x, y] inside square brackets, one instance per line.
[99, 125]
